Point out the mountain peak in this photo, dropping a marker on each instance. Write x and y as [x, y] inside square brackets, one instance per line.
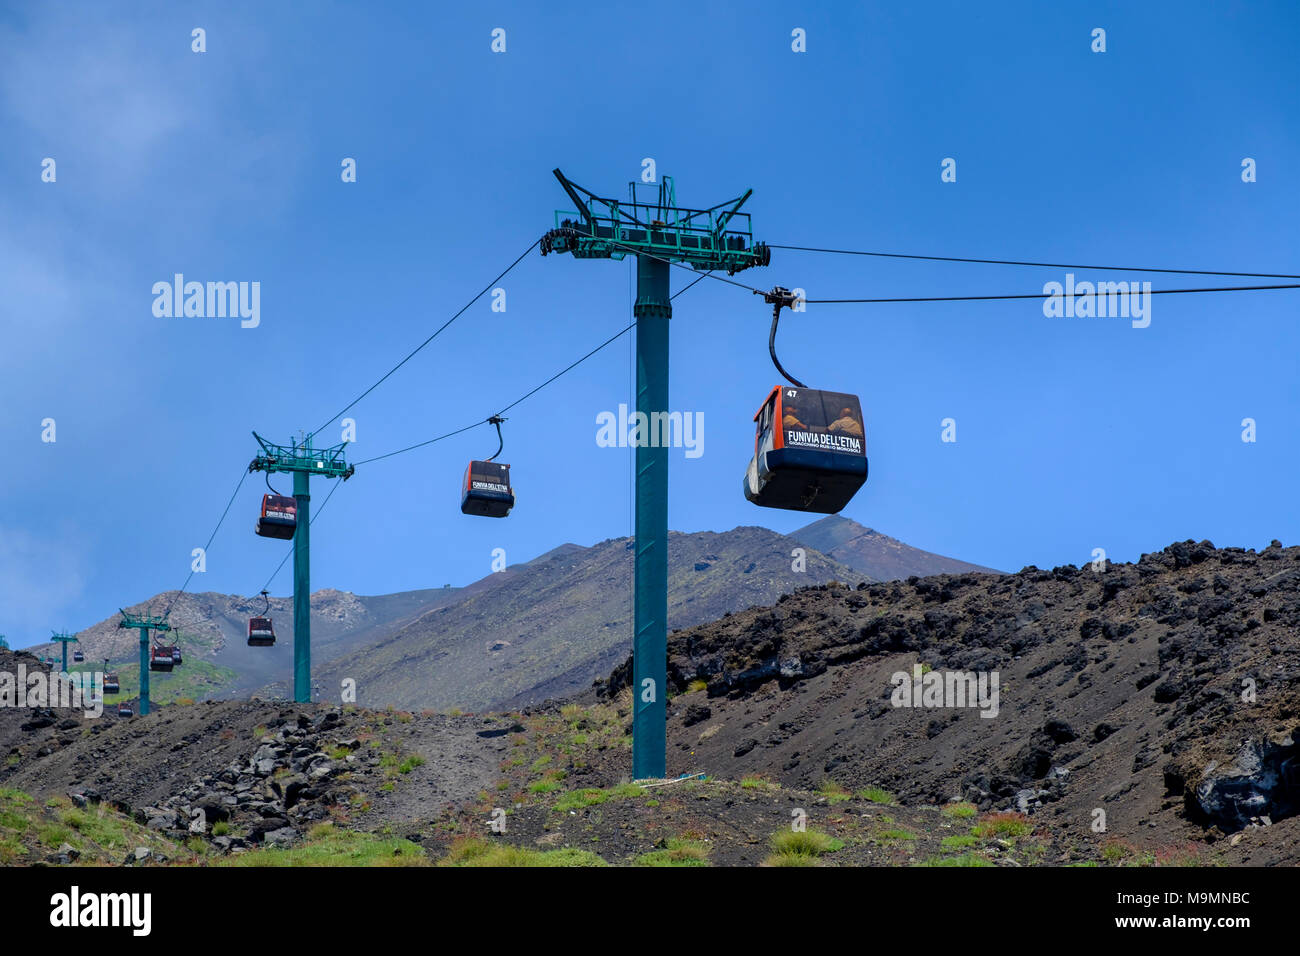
[876, 554]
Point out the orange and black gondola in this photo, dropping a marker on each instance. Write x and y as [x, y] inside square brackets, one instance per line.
[279, 518]
[810, 446]
[486, 490]
[111, 685]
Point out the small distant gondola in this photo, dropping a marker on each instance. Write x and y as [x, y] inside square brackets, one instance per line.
[78, 657]
[261, 632]
[486, 490]
[111, 686]
[810, 446]
[124, 710]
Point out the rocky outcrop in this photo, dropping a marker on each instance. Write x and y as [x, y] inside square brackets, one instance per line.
[288, 783]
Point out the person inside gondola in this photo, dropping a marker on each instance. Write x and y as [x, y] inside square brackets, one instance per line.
[791, 419]
[846, 424]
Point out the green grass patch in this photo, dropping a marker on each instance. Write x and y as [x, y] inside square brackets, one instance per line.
[52, 834]
[811, 843]
[475, 851]
[963, 842]
[591, 796]
[833, 792]
[579, 799]
[959, 811]
[1005, 825]
[877, 795]
[327, 845]
[896, 833]
[1115, 851]
[676, 852]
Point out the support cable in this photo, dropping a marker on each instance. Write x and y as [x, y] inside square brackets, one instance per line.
[1048, 265]
[968, 298]
[564, 371]
[465, 308]
[1045, 295]
[220, 520]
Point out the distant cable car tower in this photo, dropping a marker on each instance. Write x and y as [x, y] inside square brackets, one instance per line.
[659, 233]
[64, 638]
[144, 623]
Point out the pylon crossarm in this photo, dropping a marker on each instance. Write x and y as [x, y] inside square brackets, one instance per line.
[150, 621]
[302, 457]
[717, 238]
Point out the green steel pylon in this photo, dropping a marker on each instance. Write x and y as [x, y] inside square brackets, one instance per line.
[4, 644]
[145, 623]
[658, 233]
[65, 639]
[302, 461]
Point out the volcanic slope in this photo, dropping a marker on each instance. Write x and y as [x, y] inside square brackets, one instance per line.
[1165, 693]
[553, 626]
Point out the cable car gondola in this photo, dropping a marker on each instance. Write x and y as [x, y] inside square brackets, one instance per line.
[78, 657]
[810, 446]
[486, 490]
[124, 710]
[177, 659]
[111, 686]
[160, 658]
[260, 631]
[279, 518]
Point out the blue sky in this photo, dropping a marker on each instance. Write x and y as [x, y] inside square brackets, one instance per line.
[1072, 434]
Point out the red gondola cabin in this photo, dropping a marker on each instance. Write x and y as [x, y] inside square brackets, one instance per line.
[161, 658]
[260, 632]
[486, 490]
[279, 518]
[810, 451]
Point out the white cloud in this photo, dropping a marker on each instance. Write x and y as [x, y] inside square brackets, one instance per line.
[40, 576]
[80, 82]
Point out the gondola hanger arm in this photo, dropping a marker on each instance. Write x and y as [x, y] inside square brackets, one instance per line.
[501, 442]
[779, 298]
